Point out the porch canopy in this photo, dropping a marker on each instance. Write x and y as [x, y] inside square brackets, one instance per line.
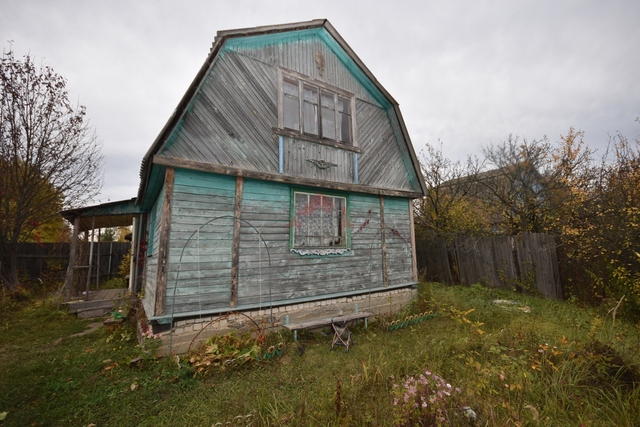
[113, 214]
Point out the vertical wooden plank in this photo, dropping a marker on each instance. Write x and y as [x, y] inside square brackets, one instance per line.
[414, 258]
[385, 274]
[98, 260]
[134, 254]
[235, 246]
[68, 281]
[93, 231]
[163, 244]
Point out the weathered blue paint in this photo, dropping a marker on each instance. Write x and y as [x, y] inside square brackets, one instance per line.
[281, 153]
[154, 186]
[203, 284]
[280, 39]
[201, 253]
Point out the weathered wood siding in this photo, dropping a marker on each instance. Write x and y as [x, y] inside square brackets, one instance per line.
[199, 274]
[230, 121]
[151, 262]
[398, 238]
[529, 259]
[298, 52]
[266, 206]
[268, 270]
[381, 163]
[233, 114]
[297, 154]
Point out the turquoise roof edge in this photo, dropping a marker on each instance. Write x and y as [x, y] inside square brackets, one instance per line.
[262, 40]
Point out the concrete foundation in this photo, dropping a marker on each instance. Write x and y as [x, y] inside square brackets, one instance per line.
[191, 332]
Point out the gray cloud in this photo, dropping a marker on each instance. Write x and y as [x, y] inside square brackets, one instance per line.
[467, 73]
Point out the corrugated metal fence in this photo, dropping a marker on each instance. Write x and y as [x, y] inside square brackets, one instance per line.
[48, 261]
[528, 260]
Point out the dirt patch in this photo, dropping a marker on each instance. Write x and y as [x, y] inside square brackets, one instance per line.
[91, 328]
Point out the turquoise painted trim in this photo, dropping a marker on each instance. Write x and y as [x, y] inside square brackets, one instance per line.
[156, 182]
[263, 40]
[165, 320]
[355, 168]
[354, 68]
[281, 153]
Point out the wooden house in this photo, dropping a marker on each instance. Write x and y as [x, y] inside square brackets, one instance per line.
[285, 176]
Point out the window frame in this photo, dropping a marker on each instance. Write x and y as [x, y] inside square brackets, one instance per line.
[321, 88]
[320, 249]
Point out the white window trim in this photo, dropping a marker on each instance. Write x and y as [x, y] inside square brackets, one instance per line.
[321, 250]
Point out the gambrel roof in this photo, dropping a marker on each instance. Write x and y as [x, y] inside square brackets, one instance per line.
[246, 154]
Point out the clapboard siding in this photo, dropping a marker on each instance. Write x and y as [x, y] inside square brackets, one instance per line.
[398, 238]
[200, 245]
[291, 275]
[199, 272]
[151, 266]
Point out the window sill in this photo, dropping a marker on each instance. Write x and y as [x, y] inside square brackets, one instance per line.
[310, 138]
[321, 251]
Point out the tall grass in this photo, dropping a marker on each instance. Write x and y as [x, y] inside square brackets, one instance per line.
[558, 364]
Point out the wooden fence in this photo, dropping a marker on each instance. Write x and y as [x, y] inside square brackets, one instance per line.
[48, 261]
[527, 260]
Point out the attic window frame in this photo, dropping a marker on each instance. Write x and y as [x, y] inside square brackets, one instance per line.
[320, 89]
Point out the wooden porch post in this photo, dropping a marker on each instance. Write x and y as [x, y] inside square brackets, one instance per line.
[68, 280]
[98, 260]
[134, 254]
[383, 237]
[93, 233]
[235, 248]
[163, 245]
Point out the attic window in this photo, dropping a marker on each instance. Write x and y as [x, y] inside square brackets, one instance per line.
[319, 222]
[315, 109]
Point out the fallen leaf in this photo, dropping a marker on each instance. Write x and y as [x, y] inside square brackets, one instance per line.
[89, 350]
[134, 386]
[3, 415]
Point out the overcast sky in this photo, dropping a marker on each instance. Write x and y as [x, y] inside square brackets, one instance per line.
[467, 73]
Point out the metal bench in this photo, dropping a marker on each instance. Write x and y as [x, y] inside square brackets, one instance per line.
[324, 321]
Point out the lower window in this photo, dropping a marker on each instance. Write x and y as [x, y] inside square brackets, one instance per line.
[319, 221]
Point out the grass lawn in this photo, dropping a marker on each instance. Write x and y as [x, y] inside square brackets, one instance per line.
[553, 365]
